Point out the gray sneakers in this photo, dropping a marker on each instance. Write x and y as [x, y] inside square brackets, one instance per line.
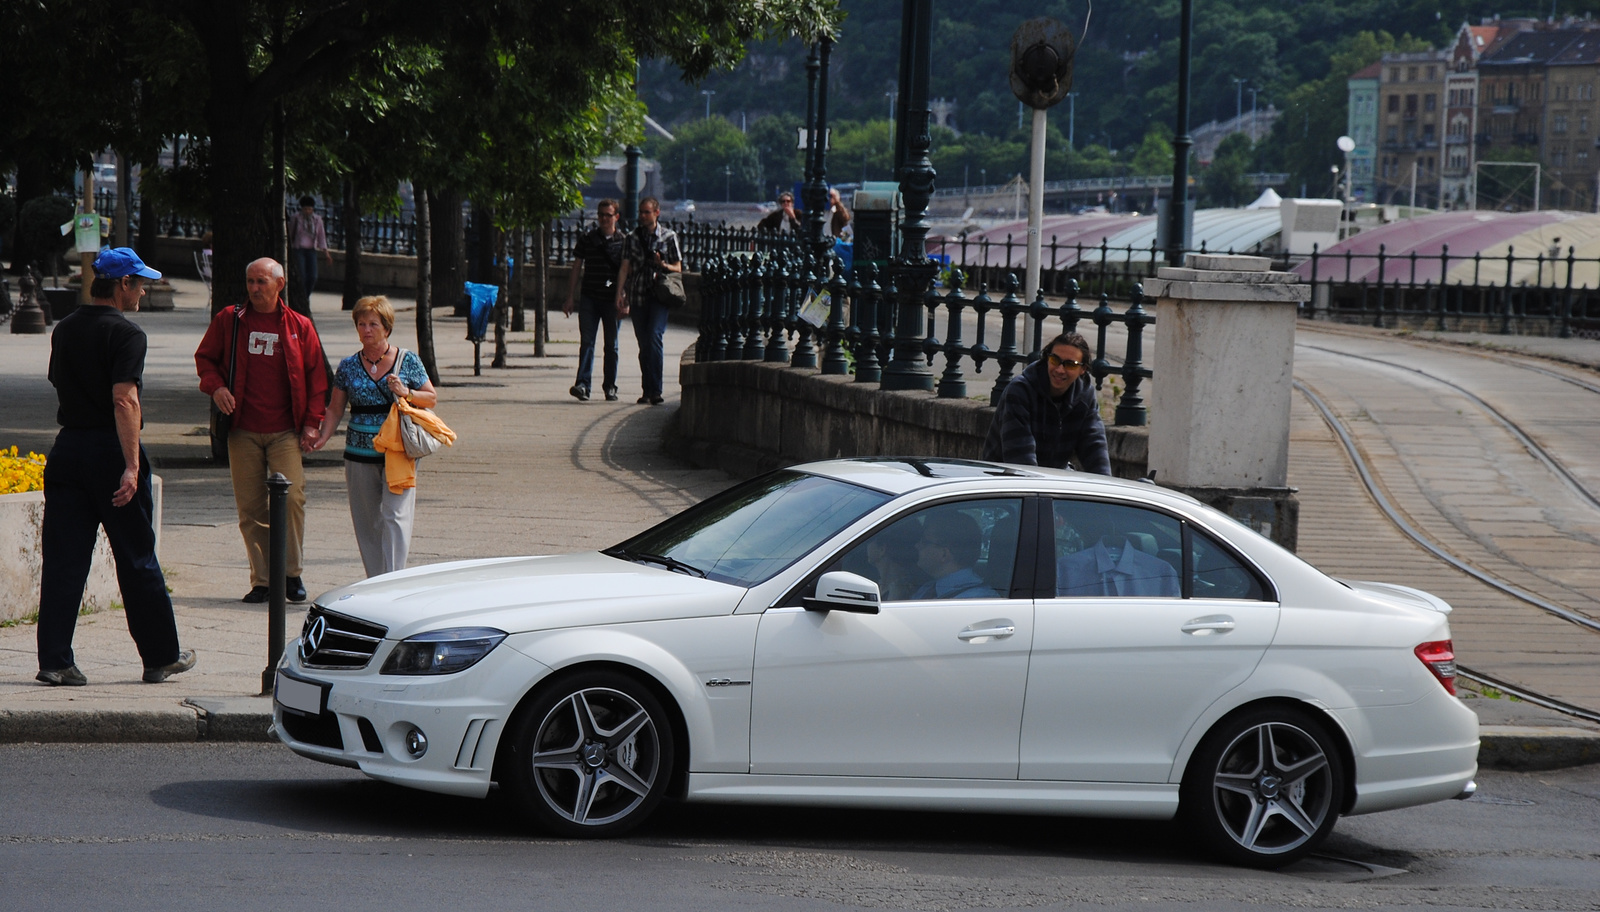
[66, 677]
[162, 672]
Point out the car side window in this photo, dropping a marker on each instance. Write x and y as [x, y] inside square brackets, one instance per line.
[1113, 550]
[1218, 574]
[959, 550]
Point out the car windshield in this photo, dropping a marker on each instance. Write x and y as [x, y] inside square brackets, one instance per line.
[747, 534]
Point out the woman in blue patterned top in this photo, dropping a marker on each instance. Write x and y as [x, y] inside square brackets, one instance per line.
[369, 381]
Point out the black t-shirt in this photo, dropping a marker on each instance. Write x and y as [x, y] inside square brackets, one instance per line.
[602, 258]
[92, 349]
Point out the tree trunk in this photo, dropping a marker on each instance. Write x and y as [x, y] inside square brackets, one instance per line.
[352, 246]
[449, 250]
[424, 285]
[541, 286]
[239, 182]
[502, 303]
[519, 239]
[149, 221]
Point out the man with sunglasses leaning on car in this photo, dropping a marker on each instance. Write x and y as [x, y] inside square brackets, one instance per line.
[1049, 413]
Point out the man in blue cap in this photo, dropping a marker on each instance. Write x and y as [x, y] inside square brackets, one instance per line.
[98, 475]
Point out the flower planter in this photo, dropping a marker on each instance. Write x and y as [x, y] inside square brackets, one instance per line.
[22, 558]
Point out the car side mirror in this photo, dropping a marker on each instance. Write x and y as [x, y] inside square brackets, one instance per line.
[841, 591]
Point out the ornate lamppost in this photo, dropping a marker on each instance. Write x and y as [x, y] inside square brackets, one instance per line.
[912, 272]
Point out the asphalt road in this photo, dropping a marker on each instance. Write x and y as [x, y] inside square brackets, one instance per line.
[247, 827]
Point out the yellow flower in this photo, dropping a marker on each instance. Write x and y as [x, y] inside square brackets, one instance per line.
[19, 474]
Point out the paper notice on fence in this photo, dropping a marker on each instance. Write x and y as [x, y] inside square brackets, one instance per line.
[815, 309]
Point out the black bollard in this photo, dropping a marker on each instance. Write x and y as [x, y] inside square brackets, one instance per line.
[277, 571]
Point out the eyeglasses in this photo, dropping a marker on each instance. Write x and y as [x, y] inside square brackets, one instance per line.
[1058, 361]
[605, 214]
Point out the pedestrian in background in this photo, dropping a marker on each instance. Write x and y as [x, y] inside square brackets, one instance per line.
[98, 474]
[782, 220]
[1049, 413]
[839, 218]
[652, 250]
[262, 363]
[599, 268]
[307, 238]
[370, 381]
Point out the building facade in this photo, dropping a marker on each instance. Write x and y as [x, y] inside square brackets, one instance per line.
[1410, 121]
[1362, 126]
[1573, 125]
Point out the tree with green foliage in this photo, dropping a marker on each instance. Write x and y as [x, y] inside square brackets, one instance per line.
[560, 68]
[1224, 182]
[716, 159]
[1303, 141]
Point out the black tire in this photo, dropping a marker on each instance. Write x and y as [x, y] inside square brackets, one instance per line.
[1264, 788]
[591, 755]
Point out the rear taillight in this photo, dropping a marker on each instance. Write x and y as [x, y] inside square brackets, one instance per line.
[1441, 660]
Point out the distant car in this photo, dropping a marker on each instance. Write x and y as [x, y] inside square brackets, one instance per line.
[684, 206]
[105, 175]
[900, 633]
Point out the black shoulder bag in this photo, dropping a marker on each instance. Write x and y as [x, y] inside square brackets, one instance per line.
[221, 424]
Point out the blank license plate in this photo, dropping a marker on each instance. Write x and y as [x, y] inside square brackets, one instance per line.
[298, 695]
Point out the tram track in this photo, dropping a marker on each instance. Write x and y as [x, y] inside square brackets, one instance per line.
[1395, 516]
[1534, 448]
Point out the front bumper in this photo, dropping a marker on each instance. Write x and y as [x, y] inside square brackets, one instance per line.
[363, 720]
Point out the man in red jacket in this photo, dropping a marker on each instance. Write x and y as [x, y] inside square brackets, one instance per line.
[275, 385]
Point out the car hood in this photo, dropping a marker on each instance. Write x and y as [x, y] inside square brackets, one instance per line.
[1399, 595]
[520, 594]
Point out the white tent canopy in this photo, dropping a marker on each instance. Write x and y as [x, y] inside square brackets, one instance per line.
[1269, 199]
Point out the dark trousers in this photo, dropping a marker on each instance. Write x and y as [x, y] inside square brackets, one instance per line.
[84, 470]
[303, 263]
[649, 325]
[594, 316]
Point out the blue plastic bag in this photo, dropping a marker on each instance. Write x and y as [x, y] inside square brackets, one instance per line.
[483, 298]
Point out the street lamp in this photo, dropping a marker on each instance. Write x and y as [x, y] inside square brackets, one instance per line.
[708, 93]
[1252, 92]
[1072, 118]
[1346, 145]
[1238, 100]
[727, 183]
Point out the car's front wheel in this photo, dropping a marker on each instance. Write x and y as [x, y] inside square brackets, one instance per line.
[1264, 787]
[592, 755]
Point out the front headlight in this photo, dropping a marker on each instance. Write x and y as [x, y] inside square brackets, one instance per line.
[440, 652]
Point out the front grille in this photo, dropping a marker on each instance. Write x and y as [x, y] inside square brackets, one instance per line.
[321, 730]
[333, 640]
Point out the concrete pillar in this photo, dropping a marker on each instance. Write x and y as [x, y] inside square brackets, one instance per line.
[1219, 410]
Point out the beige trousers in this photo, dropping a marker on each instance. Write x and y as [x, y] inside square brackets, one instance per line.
[252, 457]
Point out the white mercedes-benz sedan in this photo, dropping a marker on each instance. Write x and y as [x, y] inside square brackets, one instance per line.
[900, 633]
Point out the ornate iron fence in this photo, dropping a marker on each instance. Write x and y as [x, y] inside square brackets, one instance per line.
[754, 304]
[1543, 294]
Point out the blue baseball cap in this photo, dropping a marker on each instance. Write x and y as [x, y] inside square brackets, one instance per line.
[116, 262]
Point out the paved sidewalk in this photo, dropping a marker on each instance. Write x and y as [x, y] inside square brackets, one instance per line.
[535, 471]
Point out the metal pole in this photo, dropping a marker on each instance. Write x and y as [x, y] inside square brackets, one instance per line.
[911, 272]
[1181, 142]
[1035, 204]
[277, 571]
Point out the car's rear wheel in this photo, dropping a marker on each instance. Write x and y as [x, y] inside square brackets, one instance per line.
[592, 755]
[1263, 788]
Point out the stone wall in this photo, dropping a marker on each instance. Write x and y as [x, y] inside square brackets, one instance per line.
[22, 559]
[747, 417]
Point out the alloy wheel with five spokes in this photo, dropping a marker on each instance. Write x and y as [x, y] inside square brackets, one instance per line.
[1264, 788]
[593, 755]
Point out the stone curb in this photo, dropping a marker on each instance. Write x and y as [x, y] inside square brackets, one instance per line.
[236, 719]
[243, 719]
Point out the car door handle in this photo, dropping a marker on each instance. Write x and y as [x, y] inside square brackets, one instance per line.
[973, 633]
[1210, 624]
